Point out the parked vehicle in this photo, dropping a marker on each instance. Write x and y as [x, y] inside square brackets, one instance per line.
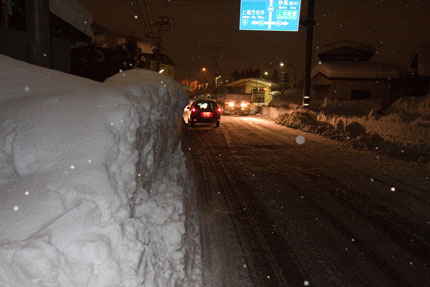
[202, 111]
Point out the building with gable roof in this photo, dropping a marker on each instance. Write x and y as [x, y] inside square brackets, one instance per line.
[345, 72]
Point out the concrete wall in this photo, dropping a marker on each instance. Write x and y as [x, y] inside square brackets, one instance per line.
[15, 44]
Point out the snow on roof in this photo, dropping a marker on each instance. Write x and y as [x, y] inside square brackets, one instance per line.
[357, 70]
[73, 12]
[342, 44]
[254, 80]
[105, 38]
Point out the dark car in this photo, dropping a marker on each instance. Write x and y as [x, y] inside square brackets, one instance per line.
[202, 111]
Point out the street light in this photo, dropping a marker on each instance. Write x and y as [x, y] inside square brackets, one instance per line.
[281, 64]
[216, 81]
[204, 69]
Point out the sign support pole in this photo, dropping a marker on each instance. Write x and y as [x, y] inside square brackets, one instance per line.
[309, 43]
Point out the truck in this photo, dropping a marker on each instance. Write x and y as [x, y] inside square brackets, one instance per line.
[235, 104]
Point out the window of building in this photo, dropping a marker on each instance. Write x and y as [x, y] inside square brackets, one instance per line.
[258, 95]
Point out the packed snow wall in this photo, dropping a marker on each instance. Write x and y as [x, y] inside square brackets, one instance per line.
[93, 185]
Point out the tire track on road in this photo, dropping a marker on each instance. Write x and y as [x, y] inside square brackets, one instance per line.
[268, 254]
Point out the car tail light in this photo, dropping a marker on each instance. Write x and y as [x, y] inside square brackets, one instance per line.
[219, 110]
[193, 110]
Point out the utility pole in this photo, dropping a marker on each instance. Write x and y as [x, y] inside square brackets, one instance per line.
[38, 29]
[163, 24]
[309, 42]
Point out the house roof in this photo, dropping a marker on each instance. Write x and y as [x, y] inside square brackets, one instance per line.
[357, 70]
[75, 13]
[342, 44]
[345, 50]
[105, 38]
[254, 80]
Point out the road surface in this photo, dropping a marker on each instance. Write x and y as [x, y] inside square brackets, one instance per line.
[275, 211]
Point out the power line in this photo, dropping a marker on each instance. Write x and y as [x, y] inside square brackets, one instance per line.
[149, 16]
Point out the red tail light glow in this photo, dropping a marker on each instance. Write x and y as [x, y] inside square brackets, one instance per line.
[207, 114]
[219, 110]
[193, 110]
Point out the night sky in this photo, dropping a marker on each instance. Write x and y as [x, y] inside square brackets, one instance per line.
[394, 27]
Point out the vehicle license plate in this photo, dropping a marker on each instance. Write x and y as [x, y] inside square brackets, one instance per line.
[207, 114]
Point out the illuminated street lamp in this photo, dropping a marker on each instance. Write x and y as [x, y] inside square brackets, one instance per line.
[281, 64]
[266, 73]
[204, 69]
[216, 81]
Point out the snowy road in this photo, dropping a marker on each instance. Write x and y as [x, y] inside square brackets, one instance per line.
[277, 213]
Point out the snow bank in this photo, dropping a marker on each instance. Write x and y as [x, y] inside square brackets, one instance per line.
[411, 105]
[93, 182]
[406, 136]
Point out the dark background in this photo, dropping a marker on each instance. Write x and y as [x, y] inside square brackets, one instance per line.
[206, 33]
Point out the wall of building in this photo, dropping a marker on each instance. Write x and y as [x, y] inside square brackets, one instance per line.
[342, 89]
[347, 89]
[14, 43]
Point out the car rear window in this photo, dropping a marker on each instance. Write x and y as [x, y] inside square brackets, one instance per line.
[205, 105]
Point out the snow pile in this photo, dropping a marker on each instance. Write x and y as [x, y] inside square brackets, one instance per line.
[402, 135]
[93, 182]
[411, 105]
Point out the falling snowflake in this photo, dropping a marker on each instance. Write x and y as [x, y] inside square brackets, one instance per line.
[306, 283]
[27, 89]
[300, 140]
[244, 266]
[26, 193]
[135, 17]
[90, 161]
[16, 208]
[393, 188]
[371, 179]
[72, 167]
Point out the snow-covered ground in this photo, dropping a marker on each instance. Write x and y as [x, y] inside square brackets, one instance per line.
[93, 185]
[403, 130]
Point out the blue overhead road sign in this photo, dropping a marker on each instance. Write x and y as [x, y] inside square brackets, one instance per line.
[269, 15]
